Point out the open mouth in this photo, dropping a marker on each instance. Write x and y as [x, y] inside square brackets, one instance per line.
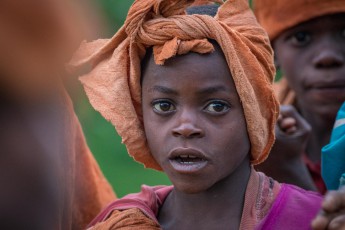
[188, 159]
[185, 160]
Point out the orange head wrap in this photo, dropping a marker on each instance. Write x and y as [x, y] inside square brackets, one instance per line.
[278, 15]
[113, 85]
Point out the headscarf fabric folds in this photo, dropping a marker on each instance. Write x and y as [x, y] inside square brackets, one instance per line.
[277, 16]
[113, 84]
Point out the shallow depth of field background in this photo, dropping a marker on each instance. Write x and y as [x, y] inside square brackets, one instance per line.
[125, 175]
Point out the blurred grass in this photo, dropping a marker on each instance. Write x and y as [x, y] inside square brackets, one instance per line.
[115, 11]
[123, 173]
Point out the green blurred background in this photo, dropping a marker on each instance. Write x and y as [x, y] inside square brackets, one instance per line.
[124, 174]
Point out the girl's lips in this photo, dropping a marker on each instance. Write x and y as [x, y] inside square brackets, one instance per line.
[187, 160]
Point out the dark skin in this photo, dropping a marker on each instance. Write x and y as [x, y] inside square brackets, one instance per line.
[191, 110]
[311, 56]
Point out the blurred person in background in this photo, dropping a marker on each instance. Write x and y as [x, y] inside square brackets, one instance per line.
[308, 38]
[49, 178]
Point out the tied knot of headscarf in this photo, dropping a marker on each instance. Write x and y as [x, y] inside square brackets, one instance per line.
[113, 84]
[165, 26]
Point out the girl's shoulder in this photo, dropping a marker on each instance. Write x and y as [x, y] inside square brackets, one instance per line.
[142, 205]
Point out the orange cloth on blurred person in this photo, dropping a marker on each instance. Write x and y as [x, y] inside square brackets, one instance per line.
[277, 16]
[89, 191]
[36, 37]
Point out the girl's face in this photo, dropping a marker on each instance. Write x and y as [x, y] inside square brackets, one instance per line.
[193, 120]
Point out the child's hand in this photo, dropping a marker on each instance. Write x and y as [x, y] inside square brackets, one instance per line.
[285, 162]
[292, 127]
[292, 133]
[332, 214]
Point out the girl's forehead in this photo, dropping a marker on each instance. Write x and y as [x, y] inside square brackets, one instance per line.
[199, 74]
[188, 64]
[215, 60]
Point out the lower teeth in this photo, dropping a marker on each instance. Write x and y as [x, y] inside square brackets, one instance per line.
[187, 162]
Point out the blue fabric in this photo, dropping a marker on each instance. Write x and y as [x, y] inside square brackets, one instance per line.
[333, 154]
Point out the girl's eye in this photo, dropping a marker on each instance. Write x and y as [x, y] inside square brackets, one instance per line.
[163, 106]
[217, 107]
[300, 38]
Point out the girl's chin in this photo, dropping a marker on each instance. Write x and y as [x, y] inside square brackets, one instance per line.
[191, 188]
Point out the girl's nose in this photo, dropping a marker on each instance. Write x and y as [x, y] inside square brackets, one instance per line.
[187, 130]
[187, 126]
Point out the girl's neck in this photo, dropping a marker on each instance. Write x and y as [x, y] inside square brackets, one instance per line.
[219, 206]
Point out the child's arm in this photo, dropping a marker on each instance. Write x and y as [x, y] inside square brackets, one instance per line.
[332, 214]
[285, 162]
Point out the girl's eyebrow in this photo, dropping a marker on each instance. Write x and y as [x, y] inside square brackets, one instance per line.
[207, 90]
[212, 89]
[163, 89]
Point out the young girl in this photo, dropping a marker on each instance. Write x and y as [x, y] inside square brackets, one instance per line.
[192, 95]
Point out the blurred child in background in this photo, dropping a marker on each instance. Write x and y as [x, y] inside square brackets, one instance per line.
[49, 178]
[308, 38]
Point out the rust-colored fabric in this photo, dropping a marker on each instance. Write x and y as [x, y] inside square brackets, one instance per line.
[86, 191]
[276, 16]
[130, 219]
[261, 193]
[148, 201]
[113, 85]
